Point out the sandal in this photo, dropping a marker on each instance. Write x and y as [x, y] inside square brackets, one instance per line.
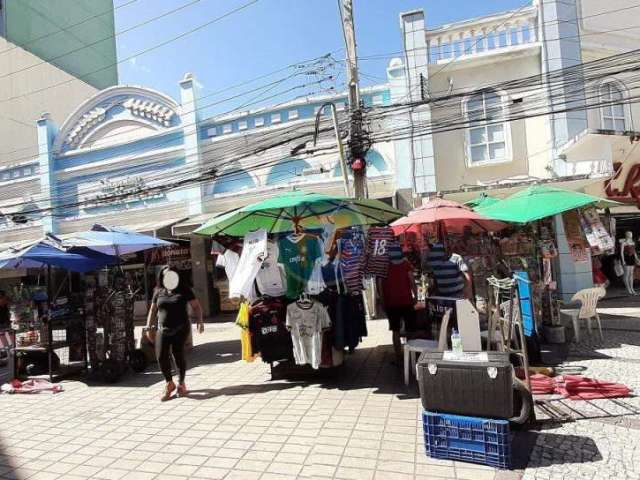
[168, 390]
[182, 390]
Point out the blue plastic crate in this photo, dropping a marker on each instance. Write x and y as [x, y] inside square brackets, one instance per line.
[467, 439]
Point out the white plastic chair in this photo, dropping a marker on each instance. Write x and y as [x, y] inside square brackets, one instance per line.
[419, 345]
[588, 299]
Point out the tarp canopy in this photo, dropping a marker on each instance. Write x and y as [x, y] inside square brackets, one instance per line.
[307, 210]
[113, 240]
[539, 201]
[45, 253]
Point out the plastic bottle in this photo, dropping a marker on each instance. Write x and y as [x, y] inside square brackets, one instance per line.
[456, 342]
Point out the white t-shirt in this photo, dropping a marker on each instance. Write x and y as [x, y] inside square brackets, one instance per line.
[316, 285]
[229, 261]
[270, 279]
[306, 324]
[254, 250]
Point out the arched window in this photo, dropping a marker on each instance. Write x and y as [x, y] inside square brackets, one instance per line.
[487, 136]
[612, 113]
[287, 170]
[376, 165]
[232, 182]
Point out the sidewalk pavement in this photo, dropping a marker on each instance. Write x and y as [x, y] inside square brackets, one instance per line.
[362, 424]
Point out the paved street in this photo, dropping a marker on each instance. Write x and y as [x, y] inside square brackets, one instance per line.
[362, 425]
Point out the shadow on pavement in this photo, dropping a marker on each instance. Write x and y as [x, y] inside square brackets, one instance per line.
[251, 389]
[540, 449]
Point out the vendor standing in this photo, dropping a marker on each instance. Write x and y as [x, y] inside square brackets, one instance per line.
[450, 272]
[398, 294]
[5, 314]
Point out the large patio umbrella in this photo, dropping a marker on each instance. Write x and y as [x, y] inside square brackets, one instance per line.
[47, 253]
[447, 215]
[540, 201]
[308, 210]
[113, 240]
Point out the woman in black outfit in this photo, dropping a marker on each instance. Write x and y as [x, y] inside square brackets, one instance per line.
[169, 306]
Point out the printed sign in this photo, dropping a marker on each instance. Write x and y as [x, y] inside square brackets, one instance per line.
[597, 236]
[116, 191]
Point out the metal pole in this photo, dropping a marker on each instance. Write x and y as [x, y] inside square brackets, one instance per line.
[357, 155]
[49, 327]
[343, 161]
[336, 129]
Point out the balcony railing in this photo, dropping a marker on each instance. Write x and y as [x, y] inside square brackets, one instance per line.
[483, 35]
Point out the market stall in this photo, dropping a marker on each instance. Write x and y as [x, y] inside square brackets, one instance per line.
[109, 299]
[49, 326]
[300, 270]
[541, 216]
[487, 389]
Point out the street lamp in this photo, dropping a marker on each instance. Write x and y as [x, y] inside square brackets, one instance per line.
[343, 162]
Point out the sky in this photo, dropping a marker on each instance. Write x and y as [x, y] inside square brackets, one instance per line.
[229, 54]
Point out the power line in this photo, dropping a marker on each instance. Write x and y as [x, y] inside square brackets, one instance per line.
[66, 29]
[601, 68]
[142, 52]
[97, 42]
[301, 67]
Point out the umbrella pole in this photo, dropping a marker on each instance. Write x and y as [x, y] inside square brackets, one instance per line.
[49, 328]
[146, 284]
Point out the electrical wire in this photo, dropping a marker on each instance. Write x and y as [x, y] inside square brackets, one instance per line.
[142, 52]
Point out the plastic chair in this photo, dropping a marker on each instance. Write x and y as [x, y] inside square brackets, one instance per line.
[588, 299]
[419, 345]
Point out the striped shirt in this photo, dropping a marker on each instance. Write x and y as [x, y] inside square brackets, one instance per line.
[379, 243]
[351, 248]
[447, 271]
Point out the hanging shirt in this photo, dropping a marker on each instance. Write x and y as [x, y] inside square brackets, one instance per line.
[379, 241]
[242, 320]
[298, 259]
[352, 259]
[229, 261]
[270, 278]
[269, 333]
[332, 277]
[316, 285]
[396, 287]
[307, 323]
[254, 251]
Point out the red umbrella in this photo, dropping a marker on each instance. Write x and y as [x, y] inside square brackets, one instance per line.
[453, 216]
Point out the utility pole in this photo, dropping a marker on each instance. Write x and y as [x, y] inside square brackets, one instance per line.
[357, 153]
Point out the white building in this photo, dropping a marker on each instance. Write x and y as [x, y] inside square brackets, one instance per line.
[575, 147]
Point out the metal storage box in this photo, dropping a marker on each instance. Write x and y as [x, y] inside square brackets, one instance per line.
[477, 384]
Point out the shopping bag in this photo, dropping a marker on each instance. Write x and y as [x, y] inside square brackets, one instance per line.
[617, 267]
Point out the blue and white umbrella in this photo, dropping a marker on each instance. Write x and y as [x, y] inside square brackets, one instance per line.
[113, 240]
[49, 253]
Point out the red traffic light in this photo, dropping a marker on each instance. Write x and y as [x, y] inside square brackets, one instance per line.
[358, 164]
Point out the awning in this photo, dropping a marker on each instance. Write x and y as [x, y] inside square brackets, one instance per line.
[595, 145]
[577, 183]
[157, 228]
[185, 227]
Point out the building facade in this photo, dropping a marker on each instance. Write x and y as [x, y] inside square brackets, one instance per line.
[562, 125]
[53, 56]
[111, 159]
